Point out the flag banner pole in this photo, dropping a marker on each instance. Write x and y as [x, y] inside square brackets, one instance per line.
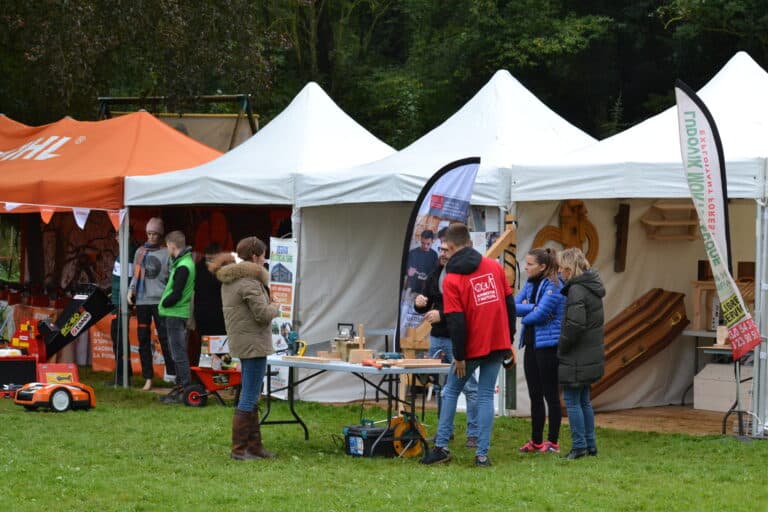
[704, 168]
[443, 200]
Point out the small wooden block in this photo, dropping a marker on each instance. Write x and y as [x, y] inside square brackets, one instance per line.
[359, 354]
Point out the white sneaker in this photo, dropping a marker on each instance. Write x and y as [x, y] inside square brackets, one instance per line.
[169, 378]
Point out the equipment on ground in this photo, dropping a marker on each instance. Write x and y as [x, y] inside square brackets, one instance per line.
[56, 397]
[209, 382]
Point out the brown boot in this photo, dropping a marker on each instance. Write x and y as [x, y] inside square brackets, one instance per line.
[241, 428]
[254, 439]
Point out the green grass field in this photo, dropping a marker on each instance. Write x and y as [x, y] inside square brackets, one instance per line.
[133, 453]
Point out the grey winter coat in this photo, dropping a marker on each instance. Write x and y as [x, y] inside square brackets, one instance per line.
[580, 348]
[248, 312]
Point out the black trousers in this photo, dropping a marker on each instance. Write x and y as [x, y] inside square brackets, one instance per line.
[144, 315]
[540, 367]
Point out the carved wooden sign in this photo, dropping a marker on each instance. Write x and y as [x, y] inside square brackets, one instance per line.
[575, 230]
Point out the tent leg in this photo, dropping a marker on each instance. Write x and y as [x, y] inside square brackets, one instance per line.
[760, 380]
[124, 233]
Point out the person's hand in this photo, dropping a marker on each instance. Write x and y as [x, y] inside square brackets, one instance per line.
[411, 271]
[459, 368]
[420, 301]
[510, 358]
[129, 297]
[432, 316]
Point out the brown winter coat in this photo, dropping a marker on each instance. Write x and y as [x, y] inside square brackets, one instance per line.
[248, 312]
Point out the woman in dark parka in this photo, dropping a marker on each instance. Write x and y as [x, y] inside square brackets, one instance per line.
[580, 348]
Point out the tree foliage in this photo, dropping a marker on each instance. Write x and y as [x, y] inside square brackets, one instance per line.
[399, 67]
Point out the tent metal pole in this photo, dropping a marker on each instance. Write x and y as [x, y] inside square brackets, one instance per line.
[125, 233]
[296, 235]
[760, 370]
[503, 384]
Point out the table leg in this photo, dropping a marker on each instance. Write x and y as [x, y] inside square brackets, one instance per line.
[289, 389]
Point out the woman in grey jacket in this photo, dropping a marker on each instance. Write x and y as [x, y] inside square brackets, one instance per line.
[248, 314]
[580, 348]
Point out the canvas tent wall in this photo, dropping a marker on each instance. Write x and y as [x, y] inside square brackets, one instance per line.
[354, 220]
[637, 167]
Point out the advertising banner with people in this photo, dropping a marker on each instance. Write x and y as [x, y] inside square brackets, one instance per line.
[283, 259]
[444, 199]
[704, 168]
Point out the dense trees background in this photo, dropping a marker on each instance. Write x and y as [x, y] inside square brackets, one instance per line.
[399, 67]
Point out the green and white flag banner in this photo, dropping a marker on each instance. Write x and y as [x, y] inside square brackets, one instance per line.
[704, 168]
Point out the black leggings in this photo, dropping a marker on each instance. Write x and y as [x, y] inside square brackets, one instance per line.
[541, 374]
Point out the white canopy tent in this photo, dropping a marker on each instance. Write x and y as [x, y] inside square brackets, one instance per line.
[310, 135]
[503, 123]
[644, 162]
[353, 221]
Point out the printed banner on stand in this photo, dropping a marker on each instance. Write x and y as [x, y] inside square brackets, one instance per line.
[283, 263]
[444, 199]
[704, 168]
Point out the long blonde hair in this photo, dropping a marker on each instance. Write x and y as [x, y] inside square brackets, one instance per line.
[574, 260]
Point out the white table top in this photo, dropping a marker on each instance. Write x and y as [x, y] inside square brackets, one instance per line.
[343, 366]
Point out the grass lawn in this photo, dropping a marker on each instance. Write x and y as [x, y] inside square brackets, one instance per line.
[132, 453]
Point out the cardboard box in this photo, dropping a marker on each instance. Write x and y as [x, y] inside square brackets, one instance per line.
[714, 388]
[214, 345]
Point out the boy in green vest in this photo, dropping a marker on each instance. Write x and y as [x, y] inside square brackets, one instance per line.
[175, 309]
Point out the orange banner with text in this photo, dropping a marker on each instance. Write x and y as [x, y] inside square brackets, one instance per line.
[103, 357]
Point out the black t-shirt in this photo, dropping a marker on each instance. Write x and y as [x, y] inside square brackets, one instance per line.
[424, 262]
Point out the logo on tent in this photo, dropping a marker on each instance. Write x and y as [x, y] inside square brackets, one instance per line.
[38, 149]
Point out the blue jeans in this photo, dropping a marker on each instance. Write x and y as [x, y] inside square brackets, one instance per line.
[253, 370]
[486, 385]
[439, 344]
[581, 417]
[176, 328]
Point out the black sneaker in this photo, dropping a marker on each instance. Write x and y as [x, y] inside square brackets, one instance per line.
[437, 456]
[482, 461]
[592, 452]
[174, 396]
[576, 453]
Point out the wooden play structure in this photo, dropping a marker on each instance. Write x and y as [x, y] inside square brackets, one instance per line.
[639, 332]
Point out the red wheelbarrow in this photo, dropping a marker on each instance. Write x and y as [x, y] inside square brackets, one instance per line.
[210, 382]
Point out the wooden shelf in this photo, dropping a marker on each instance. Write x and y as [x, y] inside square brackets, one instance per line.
[671, 220]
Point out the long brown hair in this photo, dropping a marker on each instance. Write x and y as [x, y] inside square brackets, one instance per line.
[548, 257]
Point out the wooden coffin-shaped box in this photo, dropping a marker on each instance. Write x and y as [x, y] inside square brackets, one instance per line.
[639, 332]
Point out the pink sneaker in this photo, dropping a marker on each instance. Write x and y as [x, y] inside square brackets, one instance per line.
[530, 447]
[549, 447]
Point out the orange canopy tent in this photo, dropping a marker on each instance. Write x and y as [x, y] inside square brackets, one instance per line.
[77, 164]
[8, 125]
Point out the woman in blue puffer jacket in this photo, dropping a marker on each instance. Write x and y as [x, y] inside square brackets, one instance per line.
[542, 307]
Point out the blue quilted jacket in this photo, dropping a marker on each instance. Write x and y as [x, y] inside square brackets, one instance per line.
[544, 314]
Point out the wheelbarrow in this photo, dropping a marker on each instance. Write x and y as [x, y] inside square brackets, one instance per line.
[209, 383]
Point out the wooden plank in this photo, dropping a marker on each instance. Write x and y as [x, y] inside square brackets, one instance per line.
[308, 359]
[622, 235]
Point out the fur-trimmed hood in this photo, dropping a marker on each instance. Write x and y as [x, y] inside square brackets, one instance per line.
[233, 272]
